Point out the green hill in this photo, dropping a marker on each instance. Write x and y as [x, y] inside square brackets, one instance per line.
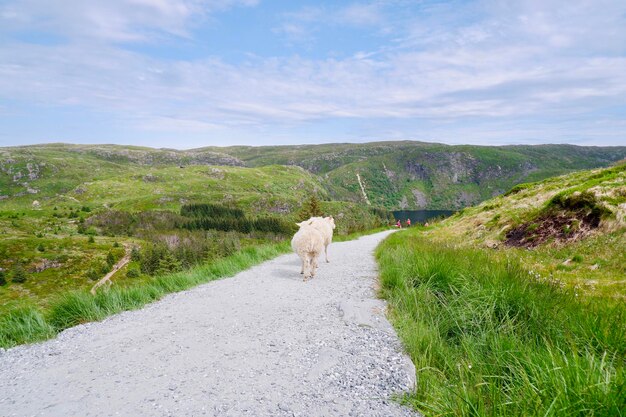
[574, 226]
[408, 175]
[63, 207]
[414, 175]
[67, 212]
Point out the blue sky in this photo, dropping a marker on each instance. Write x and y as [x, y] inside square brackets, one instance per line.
[191, 73]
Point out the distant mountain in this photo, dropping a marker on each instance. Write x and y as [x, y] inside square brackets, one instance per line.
[407, 175]
[414, 175]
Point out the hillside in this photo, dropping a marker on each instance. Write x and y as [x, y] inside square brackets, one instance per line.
[516, 306]
[67, 213]
[395, 175]
[574, 226]
[414, 175]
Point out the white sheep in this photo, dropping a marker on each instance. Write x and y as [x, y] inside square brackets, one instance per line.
[325, 225]
[308, 243]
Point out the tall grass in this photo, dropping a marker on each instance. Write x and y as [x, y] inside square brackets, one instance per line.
[30, 324]
[489, 338]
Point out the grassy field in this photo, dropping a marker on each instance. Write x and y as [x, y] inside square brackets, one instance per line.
[502, 330]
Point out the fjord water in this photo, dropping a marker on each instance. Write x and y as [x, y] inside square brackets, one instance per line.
[420, 216]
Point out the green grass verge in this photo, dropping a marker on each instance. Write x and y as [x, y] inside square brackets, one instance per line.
[31, 324]
[490, 339]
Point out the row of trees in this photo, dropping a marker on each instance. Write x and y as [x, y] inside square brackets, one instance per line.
[227, 219]
[210, 210]
[241, 225]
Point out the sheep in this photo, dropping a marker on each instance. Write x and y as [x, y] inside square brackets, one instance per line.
[308, 243]
[325, 225]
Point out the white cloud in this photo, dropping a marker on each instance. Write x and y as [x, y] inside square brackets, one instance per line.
[111, 20]
[509, 61]
[360, 15]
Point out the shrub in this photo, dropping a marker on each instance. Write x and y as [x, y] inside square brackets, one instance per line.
[41, 248]
[104, 268]
[133, 272]
[150, 257]
[583, 201]
[168, 264]
[113, 222]
[135, 255]
[92, 274]
[311, 208]
[517, 188]
[3, 278]
[110, 259]
[19, 274]
[91, 239]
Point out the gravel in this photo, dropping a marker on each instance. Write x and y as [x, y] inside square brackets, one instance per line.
[262, 343]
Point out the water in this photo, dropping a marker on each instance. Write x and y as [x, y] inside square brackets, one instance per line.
[420, 216]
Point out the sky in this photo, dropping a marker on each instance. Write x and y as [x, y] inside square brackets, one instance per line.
[191, 73]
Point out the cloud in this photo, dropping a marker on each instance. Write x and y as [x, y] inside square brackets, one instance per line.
[360, 15]
[111, 20]
[483, 66]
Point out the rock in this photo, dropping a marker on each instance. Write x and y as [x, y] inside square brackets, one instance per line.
[492, 244]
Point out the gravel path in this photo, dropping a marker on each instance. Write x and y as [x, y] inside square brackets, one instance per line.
[260, 344]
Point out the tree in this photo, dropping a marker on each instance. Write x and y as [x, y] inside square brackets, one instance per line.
[168, 264]
[19, 274]
[311, 208]
[110, 259]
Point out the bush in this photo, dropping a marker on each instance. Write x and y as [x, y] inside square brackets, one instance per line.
[135, 255]
[133, 272]
[113, 222]
[93, 274]
[3, 278]
[168, 264]
[91, 239]
[41, 248]
[150, 257]
[585, 201]
[110, 259]
[19, 274]
[311, 208]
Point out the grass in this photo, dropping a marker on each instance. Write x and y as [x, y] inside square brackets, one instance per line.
[28, 324]
[31, 324]
[490, 338]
